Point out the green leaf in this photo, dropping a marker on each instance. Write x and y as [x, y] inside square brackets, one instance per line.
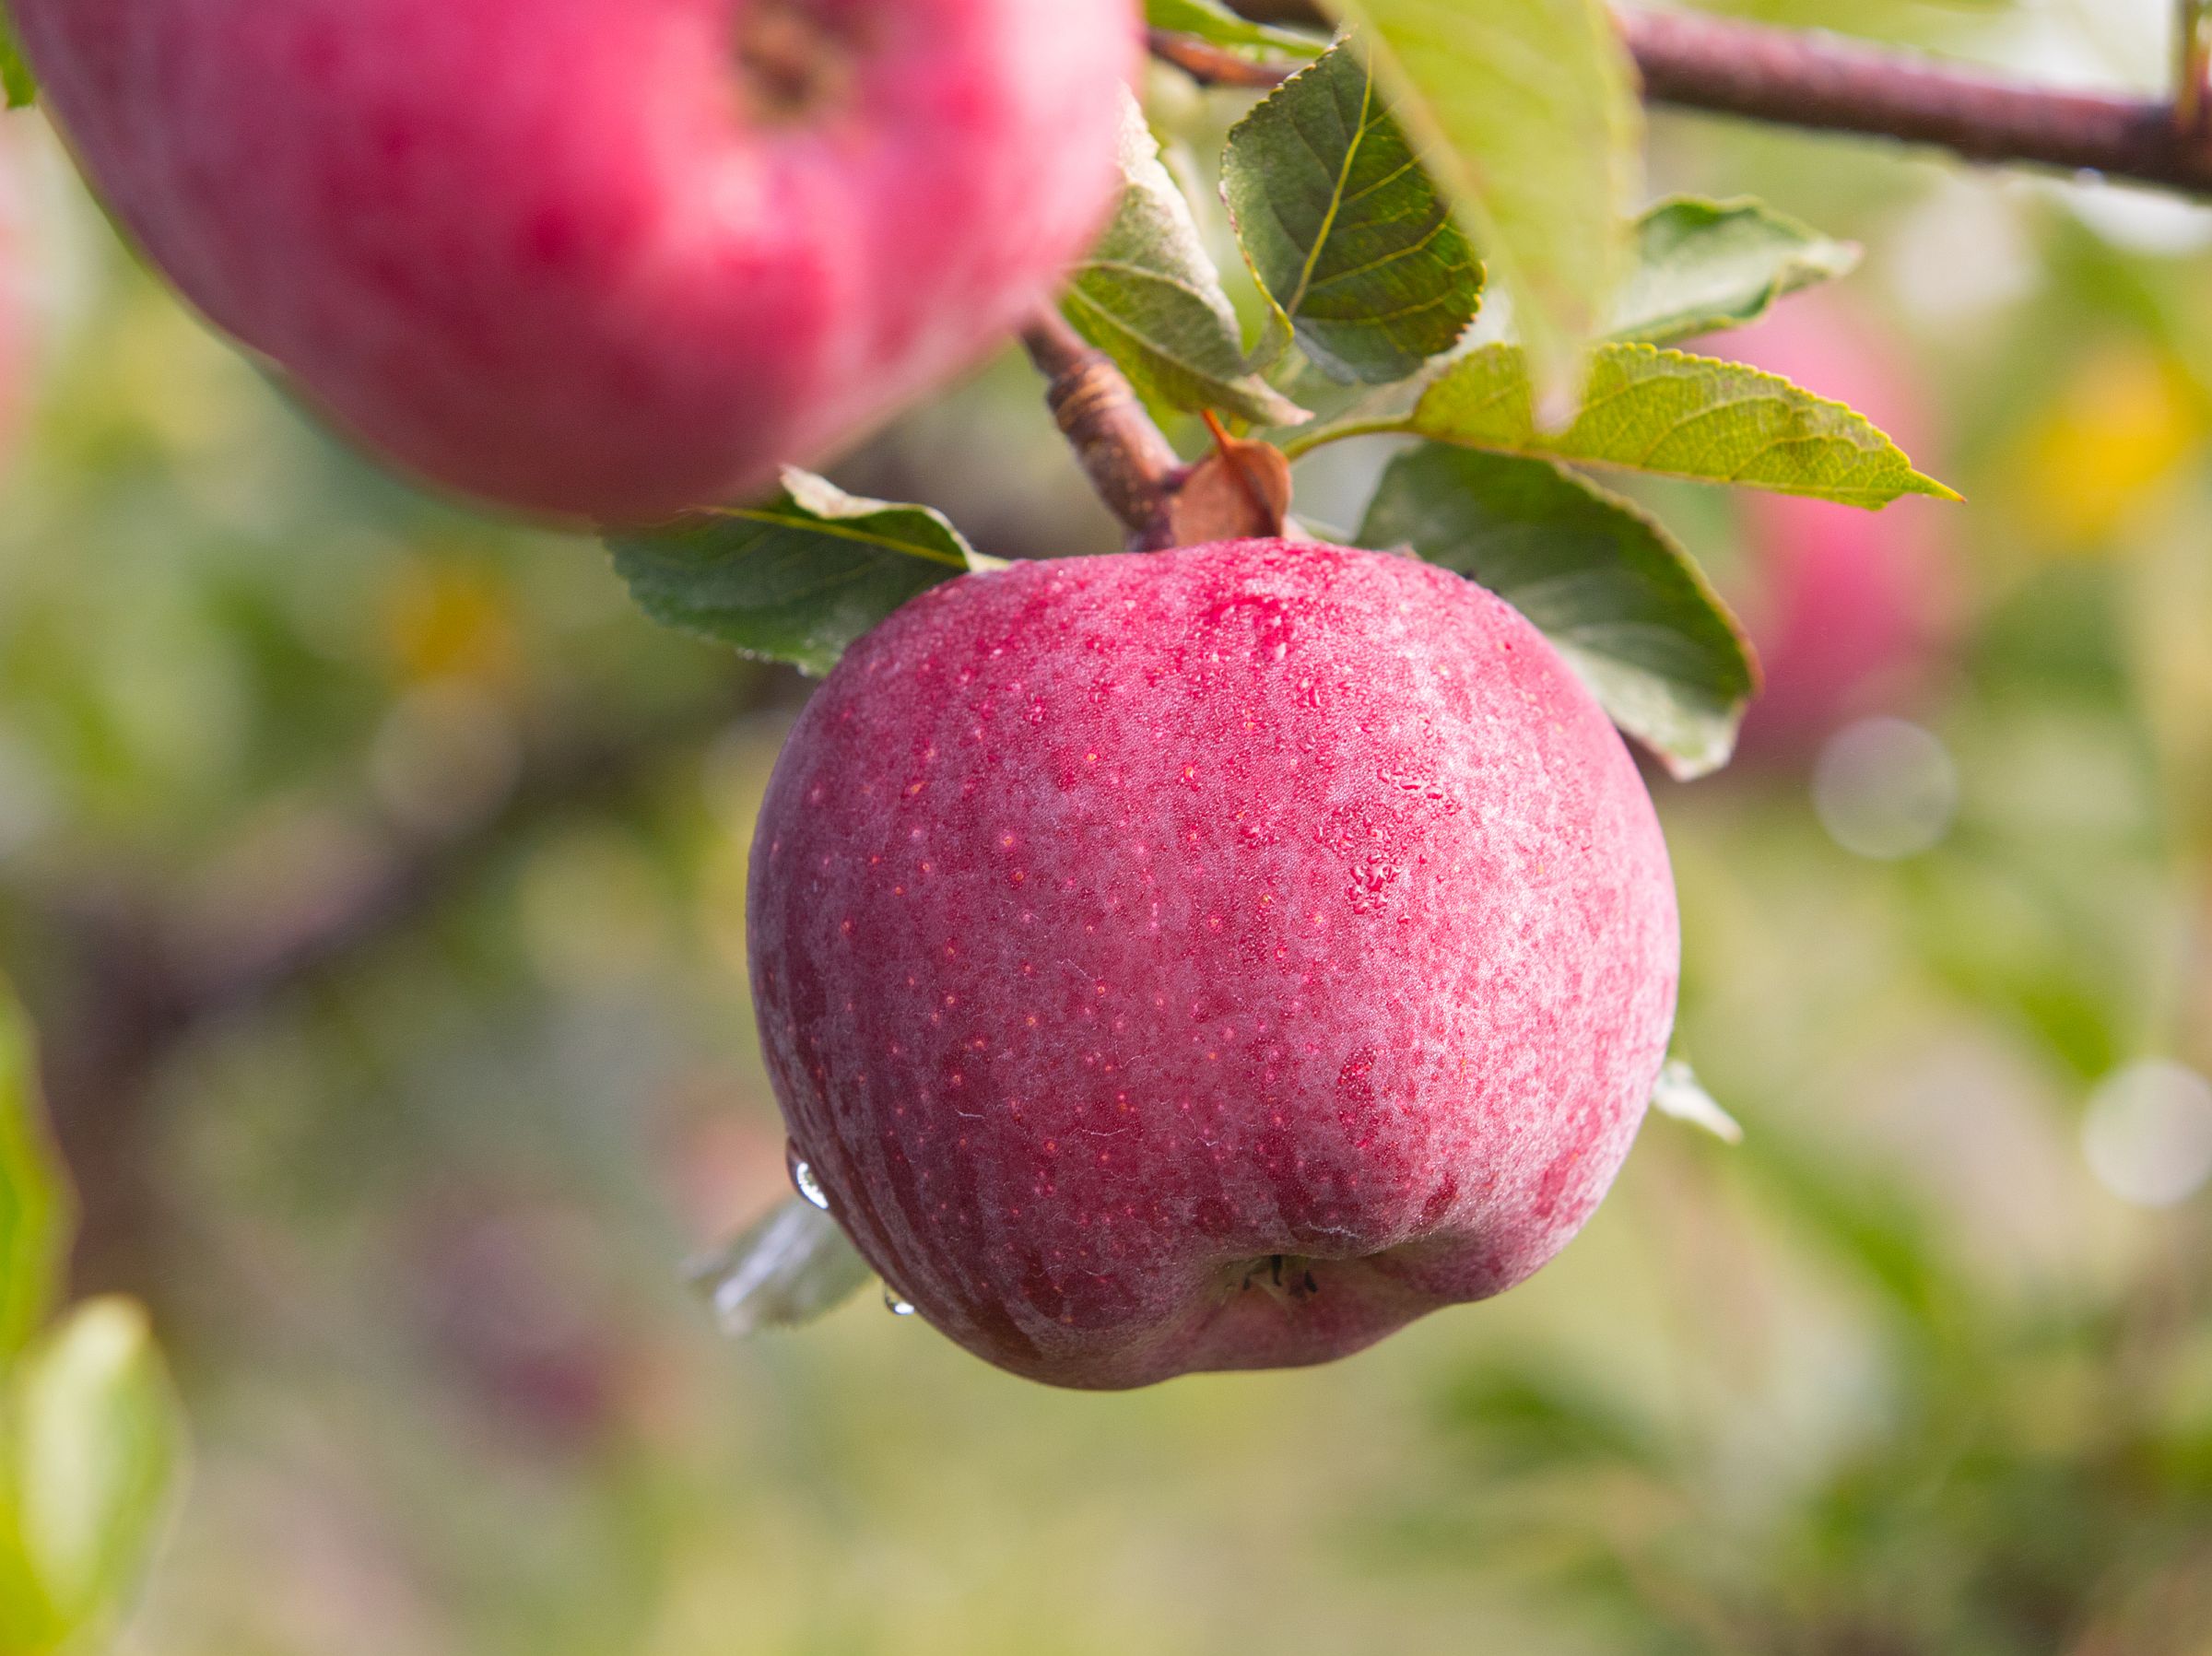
[1209, 20]
[1150, 297]
[1665, 412]
[1623, 603]
[95, 1458]
[1703, 266]
[1526, 113]
[32, 1210]
[28, 1623]
[797, 579]
[1680, 1095]
[1345, 230]
[16, 79]
[792, 1267]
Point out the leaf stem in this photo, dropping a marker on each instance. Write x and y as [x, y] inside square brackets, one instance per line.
[1304, 442]
[1210, 65]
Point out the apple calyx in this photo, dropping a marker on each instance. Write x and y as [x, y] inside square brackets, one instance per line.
[794, 63]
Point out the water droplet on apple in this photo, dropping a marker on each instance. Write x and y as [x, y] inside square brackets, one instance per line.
[896, 1306]
[803, 1179]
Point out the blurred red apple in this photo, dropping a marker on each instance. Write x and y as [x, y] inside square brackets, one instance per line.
[1847, 608]
[599, 258]
[1208, 960]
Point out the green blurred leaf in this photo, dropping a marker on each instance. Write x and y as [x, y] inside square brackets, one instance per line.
[97, 1441]
[1348, 235]
[1675, 414]
[1524, 1420]
[1210, 20]
[1680, 1095]
[796, 578]
[1526, 113]
[795, 1266]
[1150, 297]
[16, 79]
[32, 1210]
[1703, 265]
[1608, 586]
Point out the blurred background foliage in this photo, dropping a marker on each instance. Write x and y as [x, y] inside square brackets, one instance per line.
[374, 873]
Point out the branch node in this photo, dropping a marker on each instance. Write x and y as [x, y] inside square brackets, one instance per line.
[1132, 466]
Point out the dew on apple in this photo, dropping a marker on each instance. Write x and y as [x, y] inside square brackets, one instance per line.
[896, 1306]
[1886, 790]
[804, 1179]
[2147, 1135]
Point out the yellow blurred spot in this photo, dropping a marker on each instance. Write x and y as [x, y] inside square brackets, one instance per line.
[2119, 429]
[447, 620]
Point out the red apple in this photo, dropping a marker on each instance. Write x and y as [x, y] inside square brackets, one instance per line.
[1208, 959]
[1847, 608]
[599, 258]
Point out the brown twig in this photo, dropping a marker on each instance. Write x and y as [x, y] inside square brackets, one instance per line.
[1129, 461]
[1210, 65]
[1789, 78]
[1817, 81]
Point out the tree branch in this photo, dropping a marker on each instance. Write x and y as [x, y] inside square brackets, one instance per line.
[1817, 81]
[151, 974]
[1212, 65]
[1791, 78]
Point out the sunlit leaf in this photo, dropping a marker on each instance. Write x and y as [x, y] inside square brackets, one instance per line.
[1665, 412]
[98, 1443]
[796, 578]
[1703, 266]
[1347, 232]
[1526, 113]
[1150, 297]
[1608, 586]
[792, 1267]
[1681, 1095]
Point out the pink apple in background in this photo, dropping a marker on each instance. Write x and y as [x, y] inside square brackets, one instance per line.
[600, 258]
[1208, 959]
[1848, 609]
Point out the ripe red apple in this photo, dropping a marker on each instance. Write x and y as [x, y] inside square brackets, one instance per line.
[1208, 959]
[1847, 608]
[599, 258]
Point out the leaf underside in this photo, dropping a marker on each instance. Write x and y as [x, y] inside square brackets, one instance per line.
[797, 579]
[1619, 598]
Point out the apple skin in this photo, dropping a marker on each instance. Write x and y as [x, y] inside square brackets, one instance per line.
[566, 255]
[1208, 959]
[1849, 610]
